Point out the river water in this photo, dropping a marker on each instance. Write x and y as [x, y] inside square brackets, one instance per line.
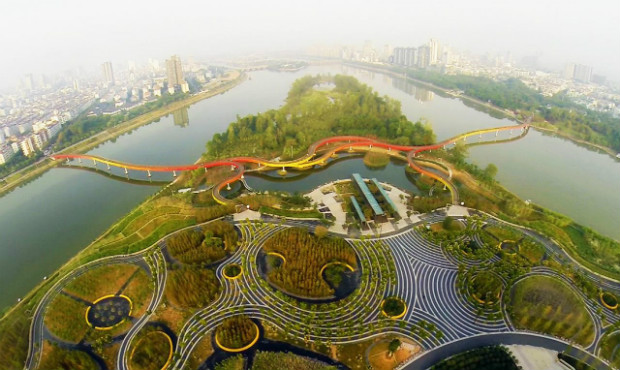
[45, 222]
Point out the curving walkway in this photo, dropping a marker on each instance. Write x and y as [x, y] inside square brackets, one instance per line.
[307, 161]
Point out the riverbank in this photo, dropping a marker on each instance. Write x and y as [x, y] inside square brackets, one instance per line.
[37, 169]
[540, 126]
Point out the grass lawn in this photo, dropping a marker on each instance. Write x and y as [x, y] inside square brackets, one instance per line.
[139, 290]
[101, 281]
[503, 233]
[64, 318]
[547, 305]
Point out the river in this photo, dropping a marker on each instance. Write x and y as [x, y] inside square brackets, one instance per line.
[45, 222]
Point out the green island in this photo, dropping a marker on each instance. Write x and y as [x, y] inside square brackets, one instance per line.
[376, 159]
[190, 264]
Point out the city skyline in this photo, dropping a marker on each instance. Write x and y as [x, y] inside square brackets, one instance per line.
[552, 33]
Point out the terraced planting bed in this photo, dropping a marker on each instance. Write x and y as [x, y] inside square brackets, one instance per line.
[485, 287]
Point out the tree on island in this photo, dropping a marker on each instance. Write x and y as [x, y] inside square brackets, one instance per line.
[394, 345]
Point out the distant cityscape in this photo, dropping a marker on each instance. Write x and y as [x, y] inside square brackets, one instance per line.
[34, 114]
[580, 82]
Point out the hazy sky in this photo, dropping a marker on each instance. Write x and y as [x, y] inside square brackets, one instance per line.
[55, 35]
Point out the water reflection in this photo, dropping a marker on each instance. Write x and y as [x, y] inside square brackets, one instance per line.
[181, 117]
[421, 94]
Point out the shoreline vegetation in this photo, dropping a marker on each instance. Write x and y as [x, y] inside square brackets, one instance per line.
[564, 109]
[326, 113]
[38, 168]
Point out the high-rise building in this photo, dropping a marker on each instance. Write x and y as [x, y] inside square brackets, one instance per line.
[108, 73]
[582, 73]
[404, 56]
[578, 72]
[29, 82]
[174, 71]
[424, 56]
[6, 153]
[434, 53]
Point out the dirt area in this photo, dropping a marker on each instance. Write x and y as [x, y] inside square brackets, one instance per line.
[171, 316]
[380, 358]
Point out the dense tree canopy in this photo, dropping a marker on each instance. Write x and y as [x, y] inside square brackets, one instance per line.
[305, 255]
[350, 108]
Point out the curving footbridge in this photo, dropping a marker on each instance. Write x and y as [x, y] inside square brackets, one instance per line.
[318, 154]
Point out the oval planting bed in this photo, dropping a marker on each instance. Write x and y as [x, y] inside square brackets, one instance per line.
[548, 305]
[485, 288]
[509, 247]
[237, 334]
[394, 307]
[153, 351]
[232, 271]
[609, 300]
[108, 311]
[310, 268]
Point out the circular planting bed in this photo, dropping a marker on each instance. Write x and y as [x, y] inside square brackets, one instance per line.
[108, 311]
[393, 307]
[509, 247]
[485, 288]
[236, 334]
[152, 352]
[232, 271]
[609, 300]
